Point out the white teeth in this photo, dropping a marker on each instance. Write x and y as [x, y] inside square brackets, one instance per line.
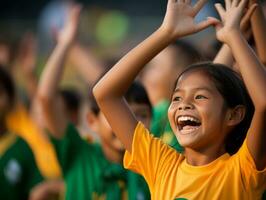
[187, 118]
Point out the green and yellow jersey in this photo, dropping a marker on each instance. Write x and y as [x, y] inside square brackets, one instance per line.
[18, 170]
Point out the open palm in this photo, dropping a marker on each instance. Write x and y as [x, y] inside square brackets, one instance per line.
[69, 31]
[179, 18]
[231, 17]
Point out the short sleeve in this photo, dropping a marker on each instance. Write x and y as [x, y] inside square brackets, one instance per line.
[149, 155]
[252, 177]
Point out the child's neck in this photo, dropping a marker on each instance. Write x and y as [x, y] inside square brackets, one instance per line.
[112, 154]
[199, 158]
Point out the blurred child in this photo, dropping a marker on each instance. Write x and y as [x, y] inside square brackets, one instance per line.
[19, 120]
[18, 170]
[113, 150]
[71, 100]
[210, 114]
[90, 171]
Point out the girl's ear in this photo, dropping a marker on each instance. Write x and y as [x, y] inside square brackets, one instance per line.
[236, 115]
[92, 121]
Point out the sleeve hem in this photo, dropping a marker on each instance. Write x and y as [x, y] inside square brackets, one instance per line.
[129, 158]
[251, 159]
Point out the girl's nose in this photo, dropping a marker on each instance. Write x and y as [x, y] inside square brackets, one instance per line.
[185, 106]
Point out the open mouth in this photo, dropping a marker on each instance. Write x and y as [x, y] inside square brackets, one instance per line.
[187, 124]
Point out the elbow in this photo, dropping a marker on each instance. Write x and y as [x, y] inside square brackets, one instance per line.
[261, 106]
[95, 91]
[99, 93]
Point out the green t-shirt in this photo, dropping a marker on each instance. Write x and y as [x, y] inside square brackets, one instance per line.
[160, 126]
[87, 173]
[18, 170]
[137, 187]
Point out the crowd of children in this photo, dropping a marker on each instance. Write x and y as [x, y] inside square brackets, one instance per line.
[170, 122]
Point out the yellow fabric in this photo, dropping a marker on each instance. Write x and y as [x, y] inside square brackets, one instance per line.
[20, 122]
[6, 141]
[170, 177]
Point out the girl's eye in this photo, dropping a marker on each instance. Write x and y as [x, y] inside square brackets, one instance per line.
[176, 98]
[200, 97]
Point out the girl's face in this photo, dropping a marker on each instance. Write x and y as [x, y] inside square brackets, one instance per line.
[197, 113]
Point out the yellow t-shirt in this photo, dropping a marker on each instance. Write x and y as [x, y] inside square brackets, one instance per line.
[20, 123]
[170, 177]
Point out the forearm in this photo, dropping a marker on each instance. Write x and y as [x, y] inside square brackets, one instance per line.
[89, 67]
[224, 56]
[52, 73]
[251, 69]
[31, 84]
[258, 24]
[118, 79]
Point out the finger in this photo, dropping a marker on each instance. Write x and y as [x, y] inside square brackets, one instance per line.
[188, 2]
[248, 34]
[227, 4]
[243, 4]
[247, 16]
[235, 3]
[198, 6]
[211, 21]
[75, 11]
[220, 10]
[170, 2]
[251, 10]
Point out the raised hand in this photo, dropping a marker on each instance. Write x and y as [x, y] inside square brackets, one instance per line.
[231, 18]
[69, 31]
[179, 18]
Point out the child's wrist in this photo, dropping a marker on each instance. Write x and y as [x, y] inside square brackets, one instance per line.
[232, 35]
[65, 44]
[168, 34]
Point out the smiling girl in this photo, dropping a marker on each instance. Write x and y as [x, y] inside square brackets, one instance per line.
[211, 114]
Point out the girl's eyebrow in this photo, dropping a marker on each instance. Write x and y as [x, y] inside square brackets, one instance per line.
[195, 89]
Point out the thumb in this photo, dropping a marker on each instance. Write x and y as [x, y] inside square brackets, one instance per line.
[210, 21]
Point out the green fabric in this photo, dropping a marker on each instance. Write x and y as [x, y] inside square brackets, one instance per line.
[87, 172]
[160, 126]
[18, 171]
[137, 187]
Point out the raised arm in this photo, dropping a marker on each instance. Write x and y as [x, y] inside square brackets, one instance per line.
[47, 95]
[258, 24]
[109, 91]
[89, 67]
[253, 74]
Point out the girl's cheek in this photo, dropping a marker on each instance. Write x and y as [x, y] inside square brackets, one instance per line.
[171, 112]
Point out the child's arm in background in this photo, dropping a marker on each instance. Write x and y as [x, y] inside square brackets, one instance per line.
[47, 94]
[88, 66]
[109, 91]
[252, 72]
[48, 190]
[258, 24]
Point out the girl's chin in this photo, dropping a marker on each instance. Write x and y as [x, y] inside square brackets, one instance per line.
[188, 141]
